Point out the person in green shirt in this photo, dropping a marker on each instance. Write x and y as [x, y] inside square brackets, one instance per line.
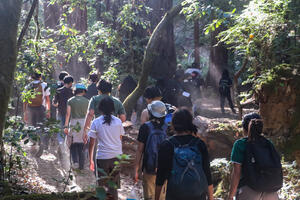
[76, 111]
[238, 187]
[104, 89]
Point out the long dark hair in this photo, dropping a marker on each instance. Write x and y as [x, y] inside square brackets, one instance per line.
[182, 121]
[253, 125]
[106, 107]
[255, 129]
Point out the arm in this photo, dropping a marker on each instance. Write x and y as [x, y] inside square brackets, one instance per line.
[25, 104]
[89, 117]
[144, 116]
[138, 160]
[91, 153]
[47, 98]
[235, 179]
[211, 192]
[55, 102]
[122, 117]
[158, 189]
[68, 114]
[206, 169]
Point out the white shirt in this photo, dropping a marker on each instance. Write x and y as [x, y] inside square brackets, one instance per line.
[108, 136]
[45, 92]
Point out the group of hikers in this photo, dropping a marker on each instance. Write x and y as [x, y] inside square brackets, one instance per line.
[174, 161]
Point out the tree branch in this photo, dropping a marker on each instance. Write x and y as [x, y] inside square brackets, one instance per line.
[26, 25]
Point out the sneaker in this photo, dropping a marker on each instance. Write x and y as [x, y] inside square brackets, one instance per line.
[76, 165]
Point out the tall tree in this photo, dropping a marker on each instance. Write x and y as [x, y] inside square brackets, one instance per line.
[164, 65]
[9, 17]
[77, 19]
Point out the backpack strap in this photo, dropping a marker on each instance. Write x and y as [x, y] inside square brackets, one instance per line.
[172, 140]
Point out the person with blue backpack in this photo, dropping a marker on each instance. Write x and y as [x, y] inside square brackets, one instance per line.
[183, 163]
[151, 134]
[257, 170]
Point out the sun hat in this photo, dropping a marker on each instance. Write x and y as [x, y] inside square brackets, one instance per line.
[80, 86]
[157, 109]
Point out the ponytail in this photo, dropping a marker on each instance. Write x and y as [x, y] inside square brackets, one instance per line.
[106, 107]
[255, 129]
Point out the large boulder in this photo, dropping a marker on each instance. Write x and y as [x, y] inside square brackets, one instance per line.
[218, 135]
[279, 104]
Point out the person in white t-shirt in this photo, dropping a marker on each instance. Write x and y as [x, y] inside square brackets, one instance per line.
[108, 131]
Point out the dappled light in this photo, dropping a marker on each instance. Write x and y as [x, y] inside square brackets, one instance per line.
[153, 100]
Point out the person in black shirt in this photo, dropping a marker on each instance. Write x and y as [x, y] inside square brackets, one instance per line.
[224, 89]
[92, 88]
[60, 100]
[156, 125]
[184, 134]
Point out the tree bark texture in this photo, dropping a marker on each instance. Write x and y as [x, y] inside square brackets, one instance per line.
[9, 17]
[217, 60]
[26, 25]
[77, 20]
[196, 43]
[150, 56]
[164, 65]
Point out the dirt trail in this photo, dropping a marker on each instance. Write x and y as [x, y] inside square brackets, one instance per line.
[46, 174]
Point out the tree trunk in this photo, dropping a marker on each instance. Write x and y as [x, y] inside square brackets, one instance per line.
[196, 43]
[26, 25]
[9, 17]
[217, 60]
[164, 65]
[150, 56]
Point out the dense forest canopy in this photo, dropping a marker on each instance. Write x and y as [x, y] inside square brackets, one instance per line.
[257, 41]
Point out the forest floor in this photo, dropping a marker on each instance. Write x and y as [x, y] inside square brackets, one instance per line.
[46, 174]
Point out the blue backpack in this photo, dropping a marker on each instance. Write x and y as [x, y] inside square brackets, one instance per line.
[155, 138]
[187, 179]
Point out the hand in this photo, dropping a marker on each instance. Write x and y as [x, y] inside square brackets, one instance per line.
[92, 165]
[136, 176]
[85, 138]
[48, 114]
[66, 130]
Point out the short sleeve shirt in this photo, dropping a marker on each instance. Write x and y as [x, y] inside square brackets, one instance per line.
[238, 151]
[94, 103]
[108, 137]
[79, 105]
[46, 90]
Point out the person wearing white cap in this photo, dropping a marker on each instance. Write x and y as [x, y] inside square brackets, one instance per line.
[151, 134]
[76, 111]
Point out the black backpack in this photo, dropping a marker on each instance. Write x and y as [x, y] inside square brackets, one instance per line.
[262, 170]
